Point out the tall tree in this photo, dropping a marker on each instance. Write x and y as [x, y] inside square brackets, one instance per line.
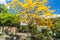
[32, 10]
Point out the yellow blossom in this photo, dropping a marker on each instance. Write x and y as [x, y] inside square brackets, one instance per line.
[17, 14]
[45, 1]
[48, 14]
[15, 0]
[24, 5]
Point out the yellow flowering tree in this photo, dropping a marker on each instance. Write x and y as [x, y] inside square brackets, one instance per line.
[35, 13]
[31, 11]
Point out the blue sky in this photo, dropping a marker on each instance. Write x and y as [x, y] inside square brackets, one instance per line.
[55, 4]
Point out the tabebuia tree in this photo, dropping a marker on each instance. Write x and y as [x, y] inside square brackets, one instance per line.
[34, 13]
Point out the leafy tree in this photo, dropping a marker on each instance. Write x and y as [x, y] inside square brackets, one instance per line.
[9, 19]
[3, 8]
[32, 11]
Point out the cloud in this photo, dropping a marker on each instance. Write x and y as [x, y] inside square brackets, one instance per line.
[2, 2]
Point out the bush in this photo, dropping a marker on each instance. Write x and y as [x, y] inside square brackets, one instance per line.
[9, 19]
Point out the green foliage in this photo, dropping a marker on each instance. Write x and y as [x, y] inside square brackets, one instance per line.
[3, 8]
[57, 24]
[33, 29]
[24, 28]
[9, 19]
[57, 28]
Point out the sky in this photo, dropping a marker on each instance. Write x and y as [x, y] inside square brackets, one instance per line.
[55, 4]
[2, 2]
